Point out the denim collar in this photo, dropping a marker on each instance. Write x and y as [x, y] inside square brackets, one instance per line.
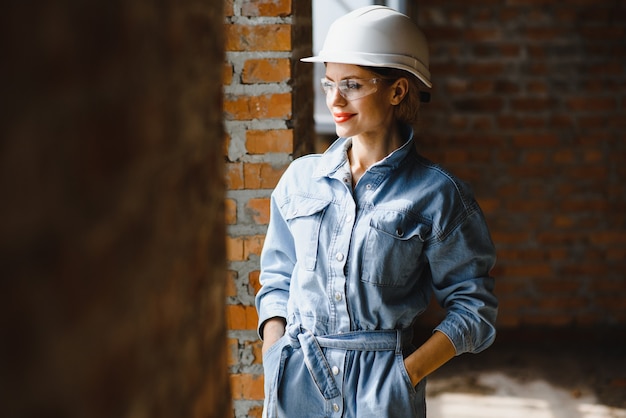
[336, 156]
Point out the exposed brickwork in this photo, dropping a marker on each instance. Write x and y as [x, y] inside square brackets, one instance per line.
[266, 71]
[530, 108]
[264, 132]
[262, 37]
[263, 142]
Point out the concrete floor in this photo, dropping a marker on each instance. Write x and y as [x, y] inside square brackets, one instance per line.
[535, 375]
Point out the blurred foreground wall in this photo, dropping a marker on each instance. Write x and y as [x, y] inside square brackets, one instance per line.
[112, 254]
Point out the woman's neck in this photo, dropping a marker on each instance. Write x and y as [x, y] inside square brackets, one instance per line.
[367, 151]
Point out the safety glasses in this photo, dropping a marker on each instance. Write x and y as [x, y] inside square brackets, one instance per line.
[352, 88]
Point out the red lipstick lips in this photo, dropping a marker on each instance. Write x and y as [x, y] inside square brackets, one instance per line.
[342, 117]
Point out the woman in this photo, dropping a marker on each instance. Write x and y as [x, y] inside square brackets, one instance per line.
[361, 236]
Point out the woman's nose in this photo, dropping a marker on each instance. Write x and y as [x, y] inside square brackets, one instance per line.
[334, 98]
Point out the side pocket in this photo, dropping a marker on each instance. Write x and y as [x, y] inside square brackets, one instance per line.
[268, 354]
[271, 365]
[273, 360]
[405, 375]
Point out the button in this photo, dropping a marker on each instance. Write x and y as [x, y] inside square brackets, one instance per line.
[349, 219]
[335, 407]
[368, 187]
[346, 179]
[335, 370]
[337, 296]
[339, 257]
[399, 232]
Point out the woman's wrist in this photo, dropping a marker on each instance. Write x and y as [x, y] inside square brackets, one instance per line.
[435, 352]
[273, 329]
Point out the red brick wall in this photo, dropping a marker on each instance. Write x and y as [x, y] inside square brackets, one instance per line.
[268, 119]
[528, 106]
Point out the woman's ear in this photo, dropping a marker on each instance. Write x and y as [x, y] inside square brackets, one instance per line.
[400, 89]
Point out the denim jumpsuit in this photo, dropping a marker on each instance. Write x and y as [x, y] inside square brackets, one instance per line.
[351, 269]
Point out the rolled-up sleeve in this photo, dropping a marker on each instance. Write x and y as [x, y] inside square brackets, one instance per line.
[460, 263]
[277, 264]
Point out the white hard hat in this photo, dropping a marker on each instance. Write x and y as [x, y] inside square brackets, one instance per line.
[377, 36]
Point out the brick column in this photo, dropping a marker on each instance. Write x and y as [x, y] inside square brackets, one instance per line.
[268, 119]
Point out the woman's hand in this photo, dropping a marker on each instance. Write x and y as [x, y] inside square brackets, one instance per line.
[273, 330]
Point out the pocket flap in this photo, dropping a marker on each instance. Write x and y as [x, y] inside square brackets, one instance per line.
[399, 226]
[299, 206]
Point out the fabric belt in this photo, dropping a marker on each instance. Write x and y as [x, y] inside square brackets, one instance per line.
[298, 337]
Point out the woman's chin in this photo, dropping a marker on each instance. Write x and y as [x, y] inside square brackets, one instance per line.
[342, 131]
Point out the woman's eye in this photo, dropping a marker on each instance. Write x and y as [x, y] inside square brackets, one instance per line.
[352, 85]
[327, 85]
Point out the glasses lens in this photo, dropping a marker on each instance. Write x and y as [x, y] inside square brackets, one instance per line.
[352, 88]
[327, 85]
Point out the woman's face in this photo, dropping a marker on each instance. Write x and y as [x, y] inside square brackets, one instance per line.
[370, 115]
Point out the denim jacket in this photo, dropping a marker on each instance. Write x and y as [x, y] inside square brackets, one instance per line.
[339, 260]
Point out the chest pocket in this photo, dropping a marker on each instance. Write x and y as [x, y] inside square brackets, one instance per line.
[304, 217]
[392, 250]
